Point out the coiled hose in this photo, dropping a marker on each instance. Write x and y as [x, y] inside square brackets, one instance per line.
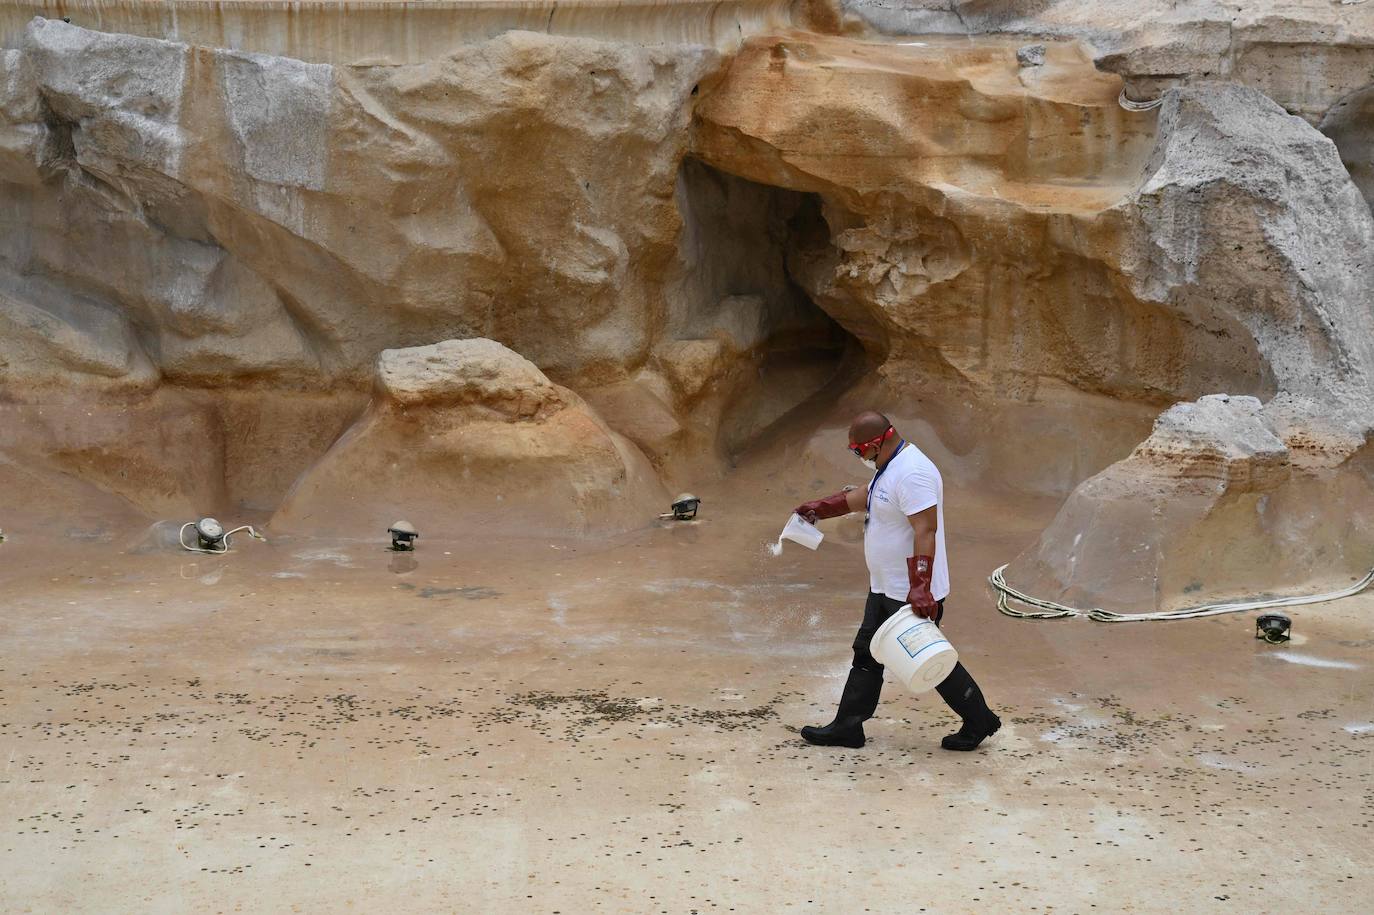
[1048, 609]
[1131, 104]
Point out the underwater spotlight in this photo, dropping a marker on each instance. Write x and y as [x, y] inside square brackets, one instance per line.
[1273, 628]
[211, 537]
[403, 535]
[210, 534]
[684, 508]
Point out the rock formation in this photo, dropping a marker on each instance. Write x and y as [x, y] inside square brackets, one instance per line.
[1350, 125]
[647, 235]
[1233, 257]
[245, 233]
[1215, 504]
[267, 217]
[1228, 497]
[1304, 54]
[468, 435]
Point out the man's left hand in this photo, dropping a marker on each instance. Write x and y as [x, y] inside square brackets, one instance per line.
[918, 596]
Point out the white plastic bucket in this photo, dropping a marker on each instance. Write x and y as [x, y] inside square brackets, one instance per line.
[799, 530]
[914, 650]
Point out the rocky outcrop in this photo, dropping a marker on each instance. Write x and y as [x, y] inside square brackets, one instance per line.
[1315, 58]
[690, 244]
[467, 435]
[1231, 255]
[246, 233]
[1227, 497]
[1305, 55]
[260, 217]
[1214, 505]
[1350, 125]
[1248, 212]
[960, 195]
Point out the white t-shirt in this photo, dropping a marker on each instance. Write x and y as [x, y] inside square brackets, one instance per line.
[910, 483]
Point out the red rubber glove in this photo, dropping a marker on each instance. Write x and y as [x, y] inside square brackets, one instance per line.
[922, 602]
[829, 507]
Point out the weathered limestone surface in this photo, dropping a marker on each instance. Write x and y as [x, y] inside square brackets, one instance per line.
[1313, 57]
[1246, 211]
[236, 224]
[1214, 505]
[1304, 54]
[972, 244]
[963, 238]
[685, 242]
[1350, 125]
[248, 215]
[468, 435]
[387, 33]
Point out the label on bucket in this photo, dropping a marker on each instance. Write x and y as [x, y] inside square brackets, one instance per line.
[916, 639]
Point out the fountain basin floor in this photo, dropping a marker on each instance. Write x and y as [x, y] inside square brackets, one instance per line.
[580, 725]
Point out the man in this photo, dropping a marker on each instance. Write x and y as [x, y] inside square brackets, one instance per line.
[904, 546]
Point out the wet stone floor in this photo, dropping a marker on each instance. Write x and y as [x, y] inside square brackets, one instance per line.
[576, 726]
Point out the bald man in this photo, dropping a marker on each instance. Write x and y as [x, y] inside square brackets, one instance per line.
[904, 546]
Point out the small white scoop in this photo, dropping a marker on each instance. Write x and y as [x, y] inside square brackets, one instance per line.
[799, 530]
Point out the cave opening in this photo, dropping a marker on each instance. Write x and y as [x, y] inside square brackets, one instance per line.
[744, 250]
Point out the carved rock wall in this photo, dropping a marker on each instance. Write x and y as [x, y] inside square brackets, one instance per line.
[977, 249]
[644, 257]
[213, 215]
[1247, 212]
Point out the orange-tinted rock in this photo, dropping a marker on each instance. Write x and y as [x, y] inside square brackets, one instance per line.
[466, 436]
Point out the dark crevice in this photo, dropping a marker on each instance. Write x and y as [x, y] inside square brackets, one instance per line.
[738, 286]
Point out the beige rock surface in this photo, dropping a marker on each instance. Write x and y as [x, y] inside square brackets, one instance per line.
[1350, 125]
[259, 228]
[1304, 54]
[262, 216]
[1213, 506]
[963, 201]
[1226, 500]
[1313, 57]
[469, 433]
[393, 32]
[714, 239]
[1233, 256]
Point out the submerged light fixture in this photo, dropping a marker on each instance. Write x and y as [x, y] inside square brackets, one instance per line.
[1273, 628]
[211, 537]
[403, 535]
[684, 508]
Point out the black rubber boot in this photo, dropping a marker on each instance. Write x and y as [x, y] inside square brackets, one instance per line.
[963, 695]
[858, 702]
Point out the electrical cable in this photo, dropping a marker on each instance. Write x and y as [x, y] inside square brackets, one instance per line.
[1048, 609]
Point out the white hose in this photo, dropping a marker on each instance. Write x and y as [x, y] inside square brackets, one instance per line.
[1048, 609]
[181, 535]
[1131, 104]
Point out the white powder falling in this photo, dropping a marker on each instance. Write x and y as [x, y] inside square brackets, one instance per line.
[775, 549]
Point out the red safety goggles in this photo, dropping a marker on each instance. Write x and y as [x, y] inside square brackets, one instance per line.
[858, 447]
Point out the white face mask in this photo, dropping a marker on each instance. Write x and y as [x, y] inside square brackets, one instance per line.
[871, 465]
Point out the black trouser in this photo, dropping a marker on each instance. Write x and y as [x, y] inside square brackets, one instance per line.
[959, 690]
